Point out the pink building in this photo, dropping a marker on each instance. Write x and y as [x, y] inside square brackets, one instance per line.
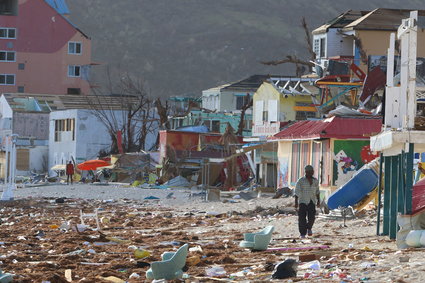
[41, 51]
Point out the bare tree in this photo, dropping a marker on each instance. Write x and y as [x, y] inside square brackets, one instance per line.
[246, 106]
[300, 64]
[124, 107]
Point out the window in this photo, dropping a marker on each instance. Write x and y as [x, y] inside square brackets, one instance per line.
[215, 126]
[265, 116]
[7, 56]
[316, 47]
[240, 102]
[9, 7]
[295, 161]
[74, 71]
[7, 79]
[21, 66]
[74, 47]
[64, 126]
[322, 47]
[21, 89]
[8, 33]
[74, 91]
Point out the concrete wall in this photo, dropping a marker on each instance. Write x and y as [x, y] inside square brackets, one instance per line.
[31, 125]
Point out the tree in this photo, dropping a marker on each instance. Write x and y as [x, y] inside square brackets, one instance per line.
[124, 107]
[300, 65]
[246, 106]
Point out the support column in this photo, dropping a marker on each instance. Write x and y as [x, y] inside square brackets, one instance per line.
[387, 189]
[409, 179]
[393, 196]
[378, 222]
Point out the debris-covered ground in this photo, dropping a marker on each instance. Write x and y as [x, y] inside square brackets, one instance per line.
[41, 241]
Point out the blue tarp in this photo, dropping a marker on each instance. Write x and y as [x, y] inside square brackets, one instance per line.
[59, 5]
[194, 129]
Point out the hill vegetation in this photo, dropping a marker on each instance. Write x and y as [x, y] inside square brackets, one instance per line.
[180, 47]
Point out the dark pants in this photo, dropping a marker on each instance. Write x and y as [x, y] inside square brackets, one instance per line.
[68, 178]
[306, 211]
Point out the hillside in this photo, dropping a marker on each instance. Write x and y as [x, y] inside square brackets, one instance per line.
[184, 46]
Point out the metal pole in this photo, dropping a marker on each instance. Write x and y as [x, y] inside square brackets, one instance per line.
[387, 189]
[409, 179]
[379, 194]
[393, 196]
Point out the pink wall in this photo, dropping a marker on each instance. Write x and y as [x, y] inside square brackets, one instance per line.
[42, 45]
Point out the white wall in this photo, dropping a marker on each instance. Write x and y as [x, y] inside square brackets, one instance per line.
[91, 136]
[211, 98]
[61, 152]
[39, 159]
[338, 45]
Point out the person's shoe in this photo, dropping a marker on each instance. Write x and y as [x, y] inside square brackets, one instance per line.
[302, 237]
[309, 232]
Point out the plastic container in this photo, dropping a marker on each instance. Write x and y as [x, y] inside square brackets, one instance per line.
[362, 183]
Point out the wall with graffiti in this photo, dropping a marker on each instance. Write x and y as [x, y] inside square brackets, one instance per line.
[349, 156]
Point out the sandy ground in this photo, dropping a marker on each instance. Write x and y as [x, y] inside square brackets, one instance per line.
[35, 249]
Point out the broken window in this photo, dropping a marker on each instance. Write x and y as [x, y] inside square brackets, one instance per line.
[215, 126]
[64, 130]
[9, 7]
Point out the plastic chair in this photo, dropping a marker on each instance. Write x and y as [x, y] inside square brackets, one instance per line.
[257, 241]
[5, 277]
[94, 215]
[171, 265]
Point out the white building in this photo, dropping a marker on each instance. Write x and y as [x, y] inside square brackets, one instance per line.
[25, 117]
[231, 97]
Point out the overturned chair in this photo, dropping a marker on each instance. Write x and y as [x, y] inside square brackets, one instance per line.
[171, 265]
[258, 241]
[5, 277]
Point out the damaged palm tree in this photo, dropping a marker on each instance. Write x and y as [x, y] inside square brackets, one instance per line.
[229, 142]
[246, 106]
[300, 65]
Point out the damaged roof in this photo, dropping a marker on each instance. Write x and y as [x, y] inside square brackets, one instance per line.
[250, 84]
[383, 19]
[26, 102]
[340, 21]
[334, 127]
[378, 19]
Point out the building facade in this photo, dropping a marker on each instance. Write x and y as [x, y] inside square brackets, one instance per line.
[41, 51]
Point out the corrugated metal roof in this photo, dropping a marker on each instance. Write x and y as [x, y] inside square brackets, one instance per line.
[25, 102]
[334, 127]
[59, 5]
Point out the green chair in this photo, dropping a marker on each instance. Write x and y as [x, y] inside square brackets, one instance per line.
[258, 241]
[5, 277]
[171, 265]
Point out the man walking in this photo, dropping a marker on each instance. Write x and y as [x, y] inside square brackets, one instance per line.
[307, 195]
[69, 172]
